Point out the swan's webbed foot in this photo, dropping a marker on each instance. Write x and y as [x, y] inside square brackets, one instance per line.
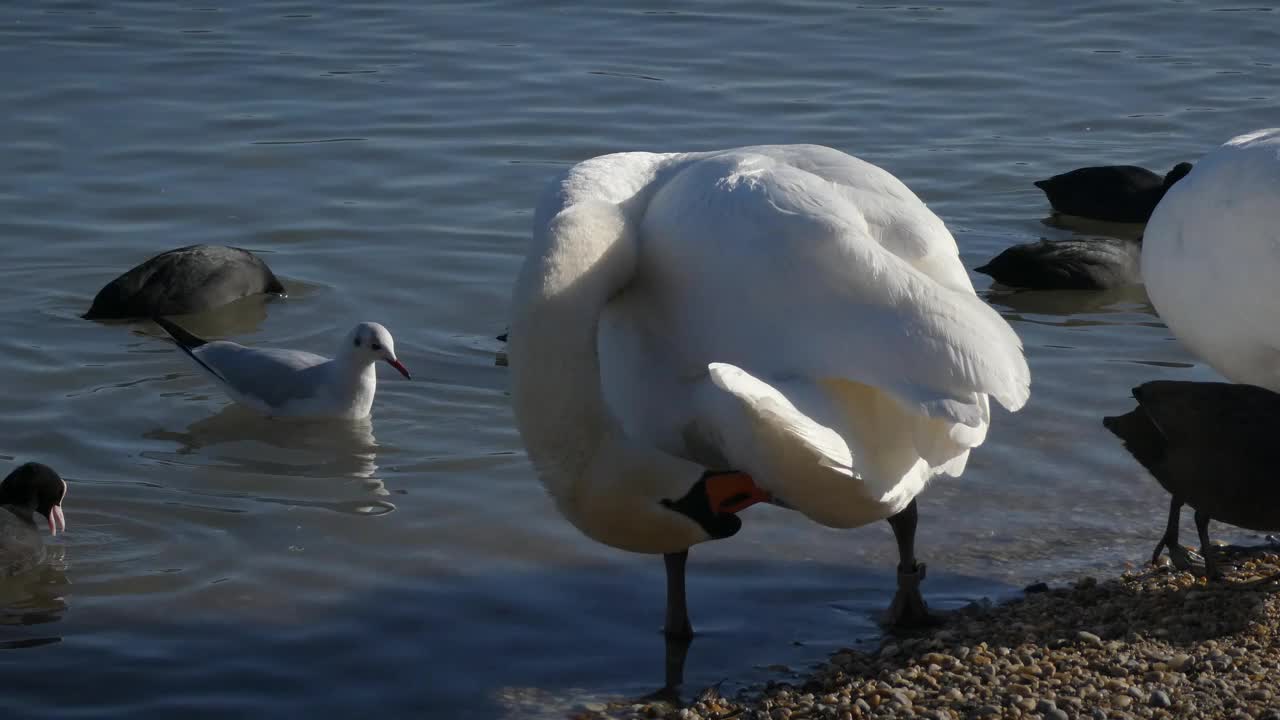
[908, 609]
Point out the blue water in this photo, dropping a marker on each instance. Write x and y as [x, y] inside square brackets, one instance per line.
[384, 159]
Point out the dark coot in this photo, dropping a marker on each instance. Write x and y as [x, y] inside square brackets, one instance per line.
[1211, 446]
[1114, 193]
[1093, 263]
[29, 490]
[183, 281]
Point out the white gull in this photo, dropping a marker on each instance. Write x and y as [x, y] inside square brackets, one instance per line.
[293, 383]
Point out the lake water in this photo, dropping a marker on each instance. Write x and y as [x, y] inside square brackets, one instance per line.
[384, 160]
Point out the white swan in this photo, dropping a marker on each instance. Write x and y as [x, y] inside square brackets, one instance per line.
[695, 332]
[1211, 259]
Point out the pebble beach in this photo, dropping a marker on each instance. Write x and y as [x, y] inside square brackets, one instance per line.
[1151, 643]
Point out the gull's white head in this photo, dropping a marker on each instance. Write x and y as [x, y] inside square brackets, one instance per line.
[373, 342]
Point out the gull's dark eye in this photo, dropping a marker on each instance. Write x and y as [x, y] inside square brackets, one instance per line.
[376, 346]
[357, 342]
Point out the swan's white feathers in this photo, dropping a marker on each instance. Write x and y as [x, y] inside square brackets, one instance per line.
[1211, 255]
[733, 238]
[771, 419]
[787, 310]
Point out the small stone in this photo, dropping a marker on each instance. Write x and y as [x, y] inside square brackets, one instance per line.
[988, 710]
[900, 698]
[594, 707]
[862, 705]
[1178, 662]
[1088, 637]
[1034, 588]
[1122, 701]
[1160, 699]
[1258, 694]
[955, 695]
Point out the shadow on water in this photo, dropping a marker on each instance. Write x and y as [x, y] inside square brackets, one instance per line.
[407, 649]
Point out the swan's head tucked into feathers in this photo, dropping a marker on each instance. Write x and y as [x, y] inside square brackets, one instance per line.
[35, 487]
[370, 342]
[638, 500]
[715, 499]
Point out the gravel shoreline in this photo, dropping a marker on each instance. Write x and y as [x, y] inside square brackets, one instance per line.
[1153, 643]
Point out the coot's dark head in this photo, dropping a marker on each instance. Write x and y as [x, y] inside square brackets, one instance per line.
[36, 487]
[713, 501]
[1178, 172]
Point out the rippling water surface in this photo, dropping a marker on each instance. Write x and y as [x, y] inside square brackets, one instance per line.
[384, 159]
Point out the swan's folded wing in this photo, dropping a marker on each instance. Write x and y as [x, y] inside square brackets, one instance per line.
[768, 424]
[778, 271]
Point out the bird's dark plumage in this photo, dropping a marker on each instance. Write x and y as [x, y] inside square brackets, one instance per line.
[1211, 445]
[186, 280]
[1113, 193]
[32, 488]
[1095, 263]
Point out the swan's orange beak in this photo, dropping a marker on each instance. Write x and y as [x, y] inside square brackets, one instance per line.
[733, 492]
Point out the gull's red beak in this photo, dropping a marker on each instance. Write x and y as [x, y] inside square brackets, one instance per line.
[56, 520]
[399, 366]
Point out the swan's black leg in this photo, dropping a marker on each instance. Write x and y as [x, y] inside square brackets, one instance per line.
[1178, 555]
[908, 607]
[677, 625]
[1210, 565]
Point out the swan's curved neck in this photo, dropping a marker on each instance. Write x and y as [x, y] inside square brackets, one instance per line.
[609, 486]
[582, 257]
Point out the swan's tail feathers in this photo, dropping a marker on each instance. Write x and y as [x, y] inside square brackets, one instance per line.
[775, 427]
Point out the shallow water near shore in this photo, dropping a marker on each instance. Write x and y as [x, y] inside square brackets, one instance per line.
[384, 160]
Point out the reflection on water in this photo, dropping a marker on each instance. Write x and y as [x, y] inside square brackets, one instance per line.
[236, 439]
[33, 596]
[1088, 226]
[1063, 306]
[240, 317]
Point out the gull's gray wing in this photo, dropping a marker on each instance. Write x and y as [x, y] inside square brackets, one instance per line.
[271, 377]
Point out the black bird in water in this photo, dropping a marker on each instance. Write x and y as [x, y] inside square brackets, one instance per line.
[1212, 446]
[187, 280]
[1095, 263]
[1113, 193]
[31, 489]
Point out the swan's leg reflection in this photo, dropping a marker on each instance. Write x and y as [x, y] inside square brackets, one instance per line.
[676, 652]
[677, 631]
